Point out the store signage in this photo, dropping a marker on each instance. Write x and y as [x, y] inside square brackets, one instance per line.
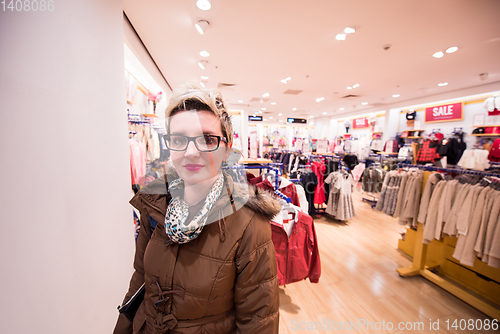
[296, 120]
[444, 113]
[255, 118]
[360, 123]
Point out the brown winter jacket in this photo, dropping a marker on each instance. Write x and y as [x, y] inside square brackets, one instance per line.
[224, 281]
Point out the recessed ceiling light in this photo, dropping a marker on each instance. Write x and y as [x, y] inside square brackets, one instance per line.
[438, 54]
[341, 108]
[204, 77]
[240, 101]
[441, 84]
[311, 116]
[396, 95]
[288, 79]
[355, 86]
[203, 4]
[265, 95]
[349, 30]
[325, 113]
[263, 108]
[204, 53]
[201, 26]
[319, 99]
[452, 49]
[283, 81]
[202, 84]
[349, 87]
[273, 103]
[340, 37]
[281, 121]
[280, 114]
[270, 116]
[294, 109]
[364, 103]
[202, 64]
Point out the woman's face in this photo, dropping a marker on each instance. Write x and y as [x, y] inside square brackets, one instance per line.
[192, 165]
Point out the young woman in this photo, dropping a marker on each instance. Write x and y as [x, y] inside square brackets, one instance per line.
[204, 249]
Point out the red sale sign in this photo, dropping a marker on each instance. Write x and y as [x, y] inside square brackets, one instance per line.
[360, 123]
[444, 113]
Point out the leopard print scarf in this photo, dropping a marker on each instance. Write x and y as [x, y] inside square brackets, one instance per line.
[176, 226]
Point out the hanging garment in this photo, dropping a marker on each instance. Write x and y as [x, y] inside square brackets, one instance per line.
[475, 159]
[319, 169]
[137, 160]
[358, 171]
[391, 146]
[494, 154]
[350, 160]
[372, 179]
[304, 205]
[427, 154]
[433, 180]
[297, 256]
[309, 182]
[410, 200]
[340, 204]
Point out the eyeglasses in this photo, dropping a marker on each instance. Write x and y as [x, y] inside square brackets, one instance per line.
[205, 143]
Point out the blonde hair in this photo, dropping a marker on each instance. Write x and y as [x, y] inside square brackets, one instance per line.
[192, 97]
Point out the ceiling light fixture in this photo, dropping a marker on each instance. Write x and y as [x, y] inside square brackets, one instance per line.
[294, 109]
[265, 95]
[349, 87]
[349, 30]
[311, 116]
[364, 103]
[204, 77]
[201, 26]
[319, 99]
[452, 49]
[202, 84]
[240, 101]
[203, 4]
[396, 95]
[340, 37]
[355, 86]
[263, 108]
[441, 84]
[273, 103]
[204, 54]
[341, 108]
[438, 54]
[280, 114]
[325, 113]
[202, 64]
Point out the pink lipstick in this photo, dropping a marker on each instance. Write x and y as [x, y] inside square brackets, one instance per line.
[193, 167]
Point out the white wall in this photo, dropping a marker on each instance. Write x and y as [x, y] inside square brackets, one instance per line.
[67, 245]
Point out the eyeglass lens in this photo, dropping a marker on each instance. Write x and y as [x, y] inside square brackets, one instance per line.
[203, 143]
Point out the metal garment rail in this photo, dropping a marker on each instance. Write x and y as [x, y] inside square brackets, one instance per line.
[449, 170]
[327, 156]
[276, 179]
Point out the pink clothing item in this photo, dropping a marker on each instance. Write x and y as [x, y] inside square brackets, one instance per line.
[319, 193]
[358, 171]
[137, 160]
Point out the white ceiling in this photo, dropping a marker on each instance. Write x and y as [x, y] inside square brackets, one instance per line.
[254, 44]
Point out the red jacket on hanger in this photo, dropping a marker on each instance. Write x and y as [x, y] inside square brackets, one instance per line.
[297, 256]
[319, 169]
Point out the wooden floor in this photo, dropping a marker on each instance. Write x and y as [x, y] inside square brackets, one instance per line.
[359, 281]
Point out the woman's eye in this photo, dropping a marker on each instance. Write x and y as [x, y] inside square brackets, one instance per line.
[210, 140]
[177, 140]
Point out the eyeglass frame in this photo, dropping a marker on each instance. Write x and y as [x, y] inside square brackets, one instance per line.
[193, 139]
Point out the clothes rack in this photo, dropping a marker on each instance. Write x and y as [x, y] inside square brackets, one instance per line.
[265, 166]
[447, 170]
[420, 254]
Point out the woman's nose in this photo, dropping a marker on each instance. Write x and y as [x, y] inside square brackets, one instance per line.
[191, 150]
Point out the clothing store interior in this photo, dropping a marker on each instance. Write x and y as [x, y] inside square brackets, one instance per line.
[374, 125]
